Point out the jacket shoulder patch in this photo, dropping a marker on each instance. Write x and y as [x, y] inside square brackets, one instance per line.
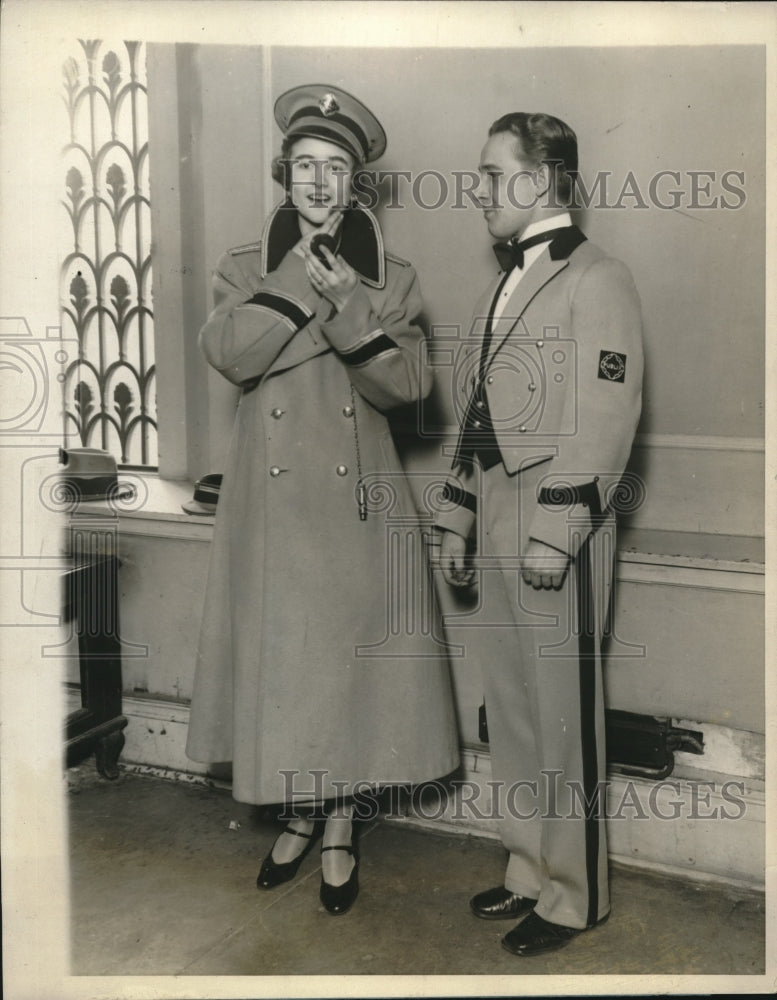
[612, 366]
[246, 248]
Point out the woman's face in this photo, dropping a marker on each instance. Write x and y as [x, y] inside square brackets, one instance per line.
[321, 175]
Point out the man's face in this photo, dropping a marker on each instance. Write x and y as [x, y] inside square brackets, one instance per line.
[510, 187]
[321, 175]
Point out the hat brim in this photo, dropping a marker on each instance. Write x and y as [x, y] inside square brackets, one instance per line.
[89, 487]
[195, 507]
[316, 131]
[350, 113]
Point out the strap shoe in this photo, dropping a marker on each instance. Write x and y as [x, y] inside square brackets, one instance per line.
[275, 873]
[338, 899]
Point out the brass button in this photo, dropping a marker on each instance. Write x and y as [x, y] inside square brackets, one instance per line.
[480, 404]
[540, 343]
[276, 413]
[342, 470]
[347, 411]
[490, 380]
[522, 430]
[476, 423]
[274, 471]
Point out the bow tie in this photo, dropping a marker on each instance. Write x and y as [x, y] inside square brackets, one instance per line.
[510, 254]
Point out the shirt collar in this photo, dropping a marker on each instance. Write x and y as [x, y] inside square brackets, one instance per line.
[360, 241]
[553, 222]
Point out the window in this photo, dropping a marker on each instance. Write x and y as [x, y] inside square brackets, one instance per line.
[110, 388]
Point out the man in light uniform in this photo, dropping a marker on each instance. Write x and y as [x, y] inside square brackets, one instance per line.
[553, 397]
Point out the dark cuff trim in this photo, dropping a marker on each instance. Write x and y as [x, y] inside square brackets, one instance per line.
[286, 308]
[460, 497]
[378, 345]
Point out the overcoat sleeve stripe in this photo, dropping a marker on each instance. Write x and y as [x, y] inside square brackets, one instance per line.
[379, 344]
[461, 498]
[285, 307]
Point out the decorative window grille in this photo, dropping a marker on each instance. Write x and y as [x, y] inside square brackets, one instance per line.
[110, 388]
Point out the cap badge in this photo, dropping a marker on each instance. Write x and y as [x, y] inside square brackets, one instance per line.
[328, 105]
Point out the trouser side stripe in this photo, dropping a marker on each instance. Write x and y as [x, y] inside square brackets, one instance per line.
[587, 653]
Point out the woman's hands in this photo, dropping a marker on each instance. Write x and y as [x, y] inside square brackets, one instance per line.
[329, 228]
[336, 283]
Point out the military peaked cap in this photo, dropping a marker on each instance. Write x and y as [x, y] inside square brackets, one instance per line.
[323, 112]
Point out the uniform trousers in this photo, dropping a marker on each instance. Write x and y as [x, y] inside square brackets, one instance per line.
[544, 701]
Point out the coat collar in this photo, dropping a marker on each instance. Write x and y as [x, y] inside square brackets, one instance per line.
[361, 242]
[568, 239]
[554, 258]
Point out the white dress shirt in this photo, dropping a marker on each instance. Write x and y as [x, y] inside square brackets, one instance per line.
[529, 256]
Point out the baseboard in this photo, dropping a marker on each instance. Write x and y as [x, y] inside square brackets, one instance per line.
[701, 442]
[696, 824]
[705, 822]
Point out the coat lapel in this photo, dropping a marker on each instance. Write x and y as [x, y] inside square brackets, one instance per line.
[480, 316]
[539, 274]
[360, 243]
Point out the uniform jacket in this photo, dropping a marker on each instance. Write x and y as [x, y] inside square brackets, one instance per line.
[563, 382]
[299, 667]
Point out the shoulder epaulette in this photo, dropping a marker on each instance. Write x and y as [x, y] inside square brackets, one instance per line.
[397, 260]
[246, 248]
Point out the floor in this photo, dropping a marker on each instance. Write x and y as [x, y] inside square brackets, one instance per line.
[163, 882]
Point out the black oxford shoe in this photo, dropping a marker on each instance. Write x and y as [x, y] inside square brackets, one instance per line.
[535, 936]
[500, 904]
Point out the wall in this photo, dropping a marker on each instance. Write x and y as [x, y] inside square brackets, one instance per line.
[700, 271]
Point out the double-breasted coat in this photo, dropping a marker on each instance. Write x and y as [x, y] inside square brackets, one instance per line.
[321, 666]
[559, 388]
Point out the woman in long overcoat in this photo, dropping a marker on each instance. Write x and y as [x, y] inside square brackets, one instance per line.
[320, 670]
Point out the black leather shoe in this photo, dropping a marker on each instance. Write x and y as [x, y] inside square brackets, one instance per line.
[535, 936]
[500, 904]
[339, 899]
[273, 873]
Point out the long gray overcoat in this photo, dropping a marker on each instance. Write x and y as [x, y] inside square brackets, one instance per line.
[321, 664]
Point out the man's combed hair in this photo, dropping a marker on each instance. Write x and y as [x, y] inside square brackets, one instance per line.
[544, 139]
